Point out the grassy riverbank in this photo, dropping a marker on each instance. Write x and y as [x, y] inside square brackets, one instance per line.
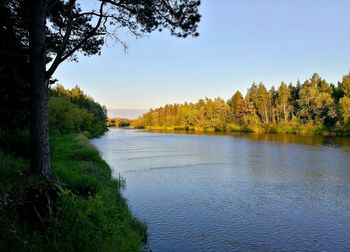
[91, 214]
[287, 128]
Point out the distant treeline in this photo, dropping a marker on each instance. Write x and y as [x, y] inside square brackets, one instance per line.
[72, 111]
[313, 107]
[118, 122]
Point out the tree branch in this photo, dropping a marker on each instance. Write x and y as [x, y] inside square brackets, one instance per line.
[63, 47]
[91, 33]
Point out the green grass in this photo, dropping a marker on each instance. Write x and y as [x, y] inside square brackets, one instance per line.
[261, 128]
[91, 214]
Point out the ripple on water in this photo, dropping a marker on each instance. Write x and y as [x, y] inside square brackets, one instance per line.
[235, 193]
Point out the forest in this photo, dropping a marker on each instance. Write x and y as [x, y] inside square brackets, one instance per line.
[313, 107]
[73, 111]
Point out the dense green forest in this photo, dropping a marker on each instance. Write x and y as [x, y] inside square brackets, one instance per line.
[73, 111]
[313, 107]
[90, 213]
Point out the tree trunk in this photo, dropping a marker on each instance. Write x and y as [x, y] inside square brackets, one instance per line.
[39, 128]
[284, 112]
[266, 113]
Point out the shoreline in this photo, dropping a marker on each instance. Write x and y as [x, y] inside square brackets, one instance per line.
[88, 199]
[250, 131]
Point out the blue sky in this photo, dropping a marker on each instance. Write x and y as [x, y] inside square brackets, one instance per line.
[241, 41]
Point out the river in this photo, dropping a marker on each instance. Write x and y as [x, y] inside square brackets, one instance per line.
[239, 192]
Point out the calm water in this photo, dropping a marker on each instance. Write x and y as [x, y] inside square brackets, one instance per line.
[235, 192]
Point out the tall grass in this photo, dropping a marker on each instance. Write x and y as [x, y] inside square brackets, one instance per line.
[259, 128]
[91, 214]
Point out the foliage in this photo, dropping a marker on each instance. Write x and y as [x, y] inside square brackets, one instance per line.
[72, 111]
[344, 85]
[14, 80]
[92, 214]
[311, 108]
[70, 30]
[237, 108]
[283, 102]
[118, 122]
[344, 109]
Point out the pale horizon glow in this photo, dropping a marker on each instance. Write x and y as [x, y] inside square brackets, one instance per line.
[241, 42]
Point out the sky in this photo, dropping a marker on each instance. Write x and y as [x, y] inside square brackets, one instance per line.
[240, 42]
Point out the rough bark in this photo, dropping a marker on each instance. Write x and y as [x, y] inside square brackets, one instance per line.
[266, 113]
[39, 130]
[284, 112]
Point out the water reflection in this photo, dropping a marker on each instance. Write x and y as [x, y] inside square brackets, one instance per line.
[335, 142]
[235, 192]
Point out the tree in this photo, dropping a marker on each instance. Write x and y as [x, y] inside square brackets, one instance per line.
[262, 102]
[315, 79]
[77, 98]
[324, 87]
[294, 90]
[237, 107]
[324, 108]
[283, 101]
[313, 102]
[306, 101]
[221, 112]
[59, 29]
[14, 84]
[250, 117]
[272, 104]
[344, 105]
[344, 86]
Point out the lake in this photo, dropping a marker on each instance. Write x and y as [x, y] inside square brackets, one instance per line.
[239, 192]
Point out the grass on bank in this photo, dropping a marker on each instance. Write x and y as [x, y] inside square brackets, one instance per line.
[267, 128]
[91, 214]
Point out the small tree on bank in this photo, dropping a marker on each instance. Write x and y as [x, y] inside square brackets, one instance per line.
[53, 31]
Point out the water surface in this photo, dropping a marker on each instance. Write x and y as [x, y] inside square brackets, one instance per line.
[235, 192]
